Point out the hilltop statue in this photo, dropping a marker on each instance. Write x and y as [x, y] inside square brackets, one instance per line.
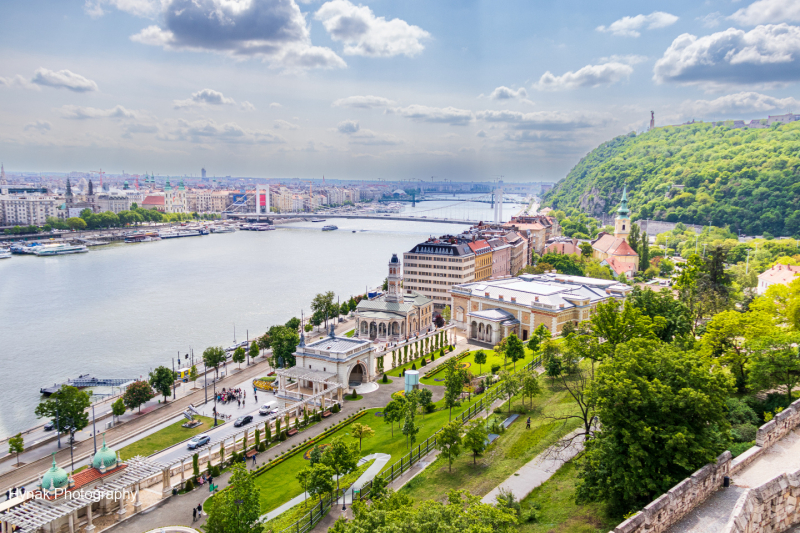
[652, 119]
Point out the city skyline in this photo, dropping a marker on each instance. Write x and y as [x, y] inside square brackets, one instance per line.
[278, 89]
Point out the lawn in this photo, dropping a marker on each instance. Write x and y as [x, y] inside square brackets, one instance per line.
[350, 333]
[491, 359]
[165, 438]
[279, 484]
[557, 511]
[514, 448]
[349, 397]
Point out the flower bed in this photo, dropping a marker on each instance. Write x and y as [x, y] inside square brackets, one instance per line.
[439, 368]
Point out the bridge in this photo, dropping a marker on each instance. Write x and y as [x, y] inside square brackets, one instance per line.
[309, 216]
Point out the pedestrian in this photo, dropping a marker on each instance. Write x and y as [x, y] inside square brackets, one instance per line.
[8, 495]
[254, 459]
[528, 423]
[194, 514]
[22, 490]
[239, 403]
[200, 510]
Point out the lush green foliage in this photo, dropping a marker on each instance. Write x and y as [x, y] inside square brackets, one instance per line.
[69, 405]
[701, 174]
[235, 509]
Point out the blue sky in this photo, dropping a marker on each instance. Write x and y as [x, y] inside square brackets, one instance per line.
[393, 90]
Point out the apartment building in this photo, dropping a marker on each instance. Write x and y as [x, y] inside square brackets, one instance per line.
[431, 268]
[537, 229]
[28, 210]
[483, 259]
[113, 202]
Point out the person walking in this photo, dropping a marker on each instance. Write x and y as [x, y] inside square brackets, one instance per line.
[194, 514]
[528, 423]
[199, 510]
[254, 459]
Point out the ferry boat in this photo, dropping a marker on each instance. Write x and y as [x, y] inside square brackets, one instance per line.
[142, 237]
[262, 227]
[223, 229]
[175, 234]
[5, 253]
[60, 249]
[317, 220]
[330, 228]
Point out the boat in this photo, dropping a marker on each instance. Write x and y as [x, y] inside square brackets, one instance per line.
[142, 237]
[330, 228]
[317, 220]
[262, 227]
[222, 229]
[5, 253]
[60, 249]
[25, 248]
[175, 234]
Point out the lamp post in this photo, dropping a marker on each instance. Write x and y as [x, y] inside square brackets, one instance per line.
[215, 403]
[58, 429]
[173, 373]
[94, 430]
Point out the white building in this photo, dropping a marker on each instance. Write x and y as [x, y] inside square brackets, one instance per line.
[28, 210]
[777, 275]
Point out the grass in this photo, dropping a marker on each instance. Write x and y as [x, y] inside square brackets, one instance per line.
[514, 448]
[388, 381]
[557, 511]
[349, 397]
[350, 333]
[164, 438]
[491, 359]
[279, 485]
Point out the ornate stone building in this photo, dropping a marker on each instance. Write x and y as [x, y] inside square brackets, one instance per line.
[614, 250]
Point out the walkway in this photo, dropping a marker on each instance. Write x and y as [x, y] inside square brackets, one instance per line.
[713, 514]
[537, 470]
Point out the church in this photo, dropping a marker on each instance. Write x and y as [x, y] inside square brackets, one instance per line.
[613, 250]
[396, 315]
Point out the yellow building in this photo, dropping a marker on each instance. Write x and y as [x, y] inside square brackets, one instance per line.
[483, 259]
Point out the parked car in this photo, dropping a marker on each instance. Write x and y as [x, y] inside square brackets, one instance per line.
[267, 408]
[242, 420]
[198, 441]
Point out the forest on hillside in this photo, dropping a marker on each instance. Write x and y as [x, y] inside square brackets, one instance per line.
[745, 179]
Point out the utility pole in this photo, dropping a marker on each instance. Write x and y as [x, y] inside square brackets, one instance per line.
[58, 428]
[747, 264]
[248, 347]
[173, 374]
[94, 430]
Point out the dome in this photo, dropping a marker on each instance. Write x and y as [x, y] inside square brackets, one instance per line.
[56, 477]
[105, 457]
[394, 259]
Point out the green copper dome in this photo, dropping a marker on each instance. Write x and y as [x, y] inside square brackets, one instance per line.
[56, 477]
[623, 204]
[105, 456]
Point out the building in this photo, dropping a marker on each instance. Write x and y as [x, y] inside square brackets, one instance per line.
[396, 315]
[174, 198]
[777, 275]
[434, 266]
[615, 247]
[156, 202]
[483, 259]
[113, 202]
[489, 311]
[563, 246]
[537, 229]
[28, 210]
[501, 258]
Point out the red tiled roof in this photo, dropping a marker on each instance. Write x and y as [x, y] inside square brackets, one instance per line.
[564, 248]
[618, 266]
[781, 274]
[481, 246]
[154, 200]
[611, 245]
[92, 474]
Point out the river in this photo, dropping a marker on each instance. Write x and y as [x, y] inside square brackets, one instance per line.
[123, 309]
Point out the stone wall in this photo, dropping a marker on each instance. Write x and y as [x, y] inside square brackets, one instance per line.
[772, 507]
[654, 227]
[667, 509]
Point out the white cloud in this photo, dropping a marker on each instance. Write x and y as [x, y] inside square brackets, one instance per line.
[348, 127]
[140, 8]
[481, 133]
[364, 34]
[628, 59]
[630, 26]
[739, 102]
[365, 102]
[273, 30]
[768, 11]
[504, 93]
[207, 130]
[370, 138]
[41, 126]
[63, 79]
[247, 106]
[765, 55]
[440, 115]
[275, 105]
[18, 81]
[712, 20]
[588, 76]
[284, 125]
[83, 113]
[204, 98]
[544, 120]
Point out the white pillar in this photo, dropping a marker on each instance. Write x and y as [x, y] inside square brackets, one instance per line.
[89, 526]
[166, 489]
[137, 505]
[71, 523]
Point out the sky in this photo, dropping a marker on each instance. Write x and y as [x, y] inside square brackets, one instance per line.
[459, 90]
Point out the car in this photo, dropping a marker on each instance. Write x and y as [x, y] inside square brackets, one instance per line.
[198, 441]
[267, 408]
[242, 420]
[50, 426]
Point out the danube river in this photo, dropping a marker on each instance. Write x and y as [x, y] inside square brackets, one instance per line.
[122, 309]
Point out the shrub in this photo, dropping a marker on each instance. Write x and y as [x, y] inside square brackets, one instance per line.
[354, 395]
[215, 471]
[495, 368]
[335, 408]
[413, 366]
[385, 379]
[262, 447]
[430, 407]
[744, 432]
[738, 448]
[423, 362]
[189, 486]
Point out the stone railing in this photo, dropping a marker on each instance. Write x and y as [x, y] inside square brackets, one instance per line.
[771, 507]
[669, 508]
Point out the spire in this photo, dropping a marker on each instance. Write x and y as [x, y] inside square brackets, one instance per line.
[622, 210]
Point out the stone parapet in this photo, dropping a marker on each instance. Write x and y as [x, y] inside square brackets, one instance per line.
[771, 507]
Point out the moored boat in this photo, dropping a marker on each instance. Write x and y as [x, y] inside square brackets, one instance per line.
[330, 228]
[60, 249]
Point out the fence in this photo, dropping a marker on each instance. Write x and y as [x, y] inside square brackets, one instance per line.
[308, 521]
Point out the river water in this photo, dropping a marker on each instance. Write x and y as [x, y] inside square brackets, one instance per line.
[123, 309]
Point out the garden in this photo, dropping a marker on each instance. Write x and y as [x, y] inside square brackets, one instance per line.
[494, 363]
[164, 438]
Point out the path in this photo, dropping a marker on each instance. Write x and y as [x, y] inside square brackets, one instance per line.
[537, 470]
[713, 514]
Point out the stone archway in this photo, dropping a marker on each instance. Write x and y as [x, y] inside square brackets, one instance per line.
[373, 331]
[358, 375]
[382, 330]
[474, 330]
[364, 328]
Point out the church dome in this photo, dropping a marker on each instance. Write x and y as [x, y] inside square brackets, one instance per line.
[394, 259]
[55, 478]
[105, 457]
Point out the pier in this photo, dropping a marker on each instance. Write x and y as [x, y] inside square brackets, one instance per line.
[86, 380]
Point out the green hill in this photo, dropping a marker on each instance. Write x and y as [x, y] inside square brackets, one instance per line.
[747, 179]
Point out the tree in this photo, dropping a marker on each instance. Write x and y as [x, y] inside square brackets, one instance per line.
[530, 386]
[137, 393]
[448, 442]
[254, 351]
[453, 385]
[425, 398]
[649, 384]
[393, 412]
[340, 457]
[239, 356]
[538, 335]
[410, 427]
[66, 407]
[510, 385]
[293, 323]
[193, 374]
[214, 356]
[633, 238]
[446, 314]
[323, 303]
[480, 359]
[475, 438]
[284, 342]
[118, 408]
[360, 432]
[515, 350]
[317, 479]
[618, 323]
[16, 445]
[677, 317]
[775, 361]
[726, 338]
[644, 253]
[586, 250]
[378, 489]
[162, 379]
[235, 509]
[76, 223]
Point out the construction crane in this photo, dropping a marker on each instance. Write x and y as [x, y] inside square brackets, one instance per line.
[101, 174]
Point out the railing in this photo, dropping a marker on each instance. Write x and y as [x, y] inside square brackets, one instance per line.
[307, 522]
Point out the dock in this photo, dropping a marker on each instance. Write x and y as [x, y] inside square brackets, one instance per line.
[85, 380]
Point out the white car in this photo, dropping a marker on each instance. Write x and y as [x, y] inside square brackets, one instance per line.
[268, 408]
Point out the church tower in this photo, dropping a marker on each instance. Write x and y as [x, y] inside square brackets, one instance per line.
[622, 224]
[394, 294]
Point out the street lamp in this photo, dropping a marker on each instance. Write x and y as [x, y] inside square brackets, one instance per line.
[215, 403]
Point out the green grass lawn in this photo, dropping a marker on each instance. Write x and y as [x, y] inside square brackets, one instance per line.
[514, 448]
[165, 438]
[350, 333]
[397, 372]
[349, 397]
[557, 511]
[279, 484]
[479, 370]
